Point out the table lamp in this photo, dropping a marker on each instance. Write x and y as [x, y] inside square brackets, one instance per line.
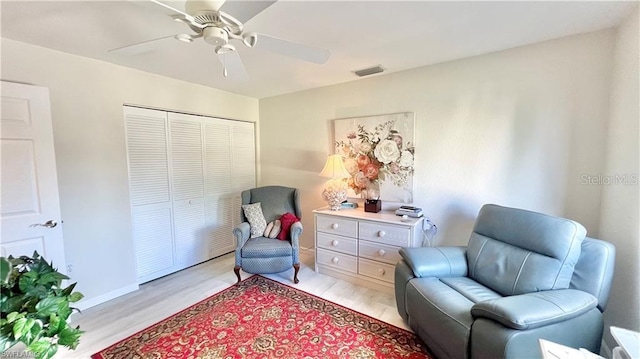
[335, 190]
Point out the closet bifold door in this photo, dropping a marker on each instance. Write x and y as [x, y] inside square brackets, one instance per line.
[150, 192]
[243, 163]
[187, 173]
[218, 187]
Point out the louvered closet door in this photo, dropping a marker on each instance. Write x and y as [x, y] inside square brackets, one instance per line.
[186, 175]
[243, 163]
[218, 187]
[188, 189]
[150, 192]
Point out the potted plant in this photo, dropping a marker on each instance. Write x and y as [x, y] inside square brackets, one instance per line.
[35, 308]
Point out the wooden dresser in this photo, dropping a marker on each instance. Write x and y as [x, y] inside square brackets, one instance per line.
[362, 247]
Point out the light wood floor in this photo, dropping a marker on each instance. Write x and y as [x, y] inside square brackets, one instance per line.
[117, 319]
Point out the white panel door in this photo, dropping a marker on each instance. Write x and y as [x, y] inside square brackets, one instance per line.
[29, 195]
[150, 191]
[188, 188]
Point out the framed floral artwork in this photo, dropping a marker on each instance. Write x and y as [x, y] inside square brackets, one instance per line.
[378, 152]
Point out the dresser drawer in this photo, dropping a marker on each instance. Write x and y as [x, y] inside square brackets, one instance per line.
[379, 252]
[335, 225]
[337, 260]
[376, 270]
[337, 243]
[383, 233]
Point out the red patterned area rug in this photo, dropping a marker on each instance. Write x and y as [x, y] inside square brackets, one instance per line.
[261, 318]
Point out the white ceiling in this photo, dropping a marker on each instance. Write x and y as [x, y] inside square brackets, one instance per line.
[398, 35]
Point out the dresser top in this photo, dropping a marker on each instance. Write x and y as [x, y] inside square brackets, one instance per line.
[359, 213]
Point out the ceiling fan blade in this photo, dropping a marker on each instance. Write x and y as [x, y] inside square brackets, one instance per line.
[233, 66]
[245, 10]
[141, 47]
[161, 6]
[292, 49]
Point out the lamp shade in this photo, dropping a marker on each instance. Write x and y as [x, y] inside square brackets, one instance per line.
[334, 168]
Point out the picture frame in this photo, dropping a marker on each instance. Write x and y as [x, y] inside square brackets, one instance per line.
[379, 153]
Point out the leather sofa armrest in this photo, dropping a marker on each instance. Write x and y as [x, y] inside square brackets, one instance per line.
[533, 310]
[436, 261]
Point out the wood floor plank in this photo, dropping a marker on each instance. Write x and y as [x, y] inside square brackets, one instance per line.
[119, 318]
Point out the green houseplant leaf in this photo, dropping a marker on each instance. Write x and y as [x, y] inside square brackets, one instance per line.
[35, 307]
[5, 270]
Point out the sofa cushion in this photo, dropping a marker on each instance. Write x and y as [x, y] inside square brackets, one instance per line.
[514, 251]
[262, 247]
[470, 289]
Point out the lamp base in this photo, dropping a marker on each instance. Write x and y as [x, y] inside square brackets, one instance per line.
[334, 198]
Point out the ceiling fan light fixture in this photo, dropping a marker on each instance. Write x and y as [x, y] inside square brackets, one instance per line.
[215, 36]
[184, 38]
[225, 49]
[250, 39]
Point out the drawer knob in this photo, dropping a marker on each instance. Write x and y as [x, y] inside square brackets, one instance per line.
[334, 226]
[381, 271]
[335, 260]
[381, 233]
[381, 252]
[334, 243]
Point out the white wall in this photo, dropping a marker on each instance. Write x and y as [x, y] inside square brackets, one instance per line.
[518, 128]
[86, 104]
[619, 219]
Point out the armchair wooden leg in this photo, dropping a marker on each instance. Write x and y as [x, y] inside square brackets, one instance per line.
[236, 270]
[296, 268]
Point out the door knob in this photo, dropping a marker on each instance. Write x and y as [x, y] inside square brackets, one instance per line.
[49, 224]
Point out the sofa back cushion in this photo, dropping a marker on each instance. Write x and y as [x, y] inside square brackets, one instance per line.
[275, 201]
[514, 251]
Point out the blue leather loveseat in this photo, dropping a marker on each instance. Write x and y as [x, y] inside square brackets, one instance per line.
[522, 277]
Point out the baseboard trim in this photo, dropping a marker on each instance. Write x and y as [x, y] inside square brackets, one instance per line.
[88, 303]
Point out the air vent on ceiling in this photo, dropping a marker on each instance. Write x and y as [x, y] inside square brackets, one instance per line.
[369, 71]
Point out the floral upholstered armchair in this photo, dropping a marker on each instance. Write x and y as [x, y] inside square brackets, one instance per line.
[268, 237]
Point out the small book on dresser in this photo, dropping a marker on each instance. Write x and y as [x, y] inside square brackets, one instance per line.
[409, 211]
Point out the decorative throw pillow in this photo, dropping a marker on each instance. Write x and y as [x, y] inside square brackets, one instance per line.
[275, 230]
[254, 215]
[268, 229]
[286, 221]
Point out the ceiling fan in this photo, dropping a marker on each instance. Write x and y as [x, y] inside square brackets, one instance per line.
[207, 21]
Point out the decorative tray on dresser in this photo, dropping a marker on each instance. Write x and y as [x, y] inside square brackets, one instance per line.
[362, 247]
